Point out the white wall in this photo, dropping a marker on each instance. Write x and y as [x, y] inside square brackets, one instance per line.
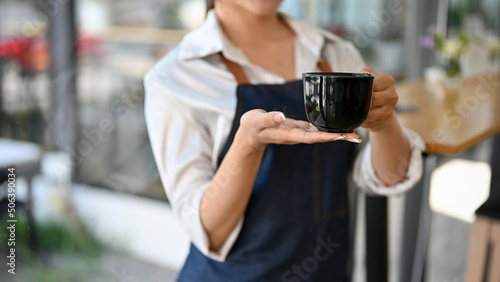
[143, 227]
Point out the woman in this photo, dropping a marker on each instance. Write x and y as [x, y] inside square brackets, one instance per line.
[261, 192]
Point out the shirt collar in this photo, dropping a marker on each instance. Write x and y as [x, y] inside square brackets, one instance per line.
[206, 40]
[209, 39]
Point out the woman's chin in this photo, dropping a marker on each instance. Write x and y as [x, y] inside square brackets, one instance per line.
[262, 7]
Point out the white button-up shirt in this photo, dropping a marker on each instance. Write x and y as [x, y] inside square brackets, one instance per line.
[190, 106]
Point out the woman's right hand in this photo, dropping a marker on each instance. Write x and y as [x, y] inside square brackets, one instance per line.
[259, 128]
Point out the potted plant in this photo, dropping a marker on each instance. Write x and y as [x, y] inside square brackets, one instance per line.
[450, 51]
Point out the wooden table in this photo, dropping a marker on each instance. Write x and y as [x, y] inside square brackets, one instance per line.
[450, 122]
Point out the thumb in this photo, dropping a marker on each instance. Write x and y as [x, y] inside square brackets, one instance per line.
[275, 118]
[262, 119]
[367, 69]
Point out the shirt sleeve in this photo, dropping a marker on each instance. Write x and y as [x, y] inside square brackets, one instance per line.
[182, 149]
[366, 179]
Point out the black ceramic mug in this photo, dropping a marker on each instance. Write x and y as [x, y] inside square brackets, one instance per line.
[337, 102]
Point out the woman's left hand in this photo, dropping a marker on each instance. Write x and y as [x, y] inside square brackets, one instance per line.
[384, 100]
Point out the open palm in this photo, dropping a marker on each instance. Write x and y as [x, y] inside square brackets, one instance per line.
[272, 127]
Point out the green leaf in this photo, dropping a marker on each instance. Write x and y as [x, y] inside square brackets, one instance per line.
[439, 41]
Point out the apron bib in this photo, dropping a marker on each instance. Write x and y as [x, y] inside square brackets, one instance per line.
[296, 226]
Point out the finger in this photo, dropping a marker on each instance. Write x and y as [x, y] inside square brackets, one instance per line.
[367, 69]
[353, 137]
[350, 136]
[298, 123]
[262, 119]
[371, 124]
[382, 82]
[379, 114]
[338, 136]
[296, 131]
[278, 118]
[311, 137]
[374, 114]
[312, 128]
[378, 99]
[307, 126]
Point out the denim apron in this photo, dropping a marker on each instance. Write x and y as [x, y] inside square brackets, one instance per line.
[296, 226]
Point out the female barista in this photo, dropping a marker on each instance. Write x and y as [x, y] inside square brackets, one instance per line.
[262, 193]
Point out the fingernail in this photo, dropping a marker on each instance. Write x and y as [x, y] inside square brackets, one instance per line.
[341, 137]
[279, 118]
[356, 140]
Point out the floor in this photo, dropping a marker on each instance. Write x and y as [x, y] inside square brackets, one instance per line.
[111, 267]
[448, 248]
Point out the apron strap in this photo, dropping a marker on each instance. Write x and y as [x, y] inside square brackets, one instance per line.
[324, 66]
[236, 70]
[242, 78]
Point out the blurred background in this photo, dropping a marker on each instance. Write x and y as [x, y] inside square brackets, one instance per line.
[89, 201]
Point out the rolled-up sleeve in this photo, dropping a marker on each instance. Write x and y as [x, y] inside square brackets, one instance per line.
[366, 179]
[182, 149]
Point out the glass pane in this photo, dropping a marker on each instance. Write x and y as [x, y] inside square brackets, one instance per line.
[24, 61]
[480, 22]
[119, 42]
[375, 27]
[482, 14]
